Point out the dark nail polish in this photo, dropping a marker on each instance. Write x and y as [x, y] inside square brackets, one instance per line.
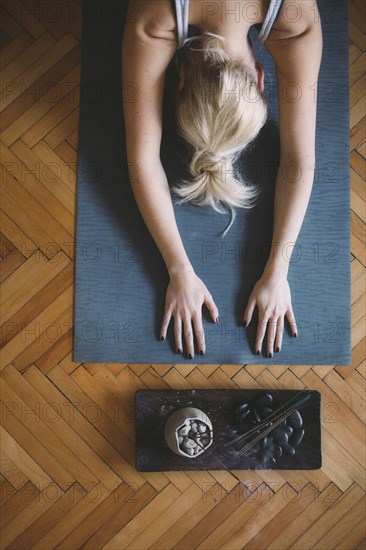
[277, 349]
[179, 351]
[190, 356]
[244, 323]
[270, 354]
[162, 338]
[217, 319]
[295, 334]
[201, 352]
[258, 352]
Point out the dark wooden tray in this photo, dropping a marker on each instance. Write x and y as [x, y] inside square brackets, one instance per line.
[153, 407]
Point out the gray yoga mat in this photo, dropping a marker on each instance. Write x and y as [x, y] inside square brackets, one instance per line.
[121, 277]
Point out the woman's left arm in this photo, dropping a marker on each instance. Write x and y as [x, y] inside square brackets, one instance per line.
[296, 50]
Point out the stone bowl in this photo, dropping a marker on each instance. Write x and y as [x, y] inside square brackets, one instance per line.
[187, 418]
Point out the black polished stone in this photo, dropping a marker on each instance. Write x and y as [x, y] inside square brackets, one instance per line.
[295, 419]
[296, 438]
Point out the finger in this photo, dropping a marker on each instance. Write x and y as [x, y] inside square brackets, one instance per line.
[165, 324]
[248, 313]
[178, 334]
[271, 334]
[188, 336]
[261, 330]
[199, 332]
[291, 319]
[212, 307]
[279, 334]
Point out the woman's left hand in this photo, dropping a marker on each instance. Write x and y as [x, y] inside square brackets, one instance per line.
[272, 295]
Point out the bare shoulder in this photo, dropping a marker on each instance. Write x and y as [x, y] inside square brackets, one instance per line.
[155, 18]
[296, 18]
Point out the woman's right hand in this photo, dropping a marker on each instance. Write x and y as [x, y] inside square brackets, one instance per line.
[185, 295]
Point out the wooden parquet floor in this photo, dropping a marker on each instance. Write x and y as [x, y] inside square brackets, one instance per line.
[67, 457]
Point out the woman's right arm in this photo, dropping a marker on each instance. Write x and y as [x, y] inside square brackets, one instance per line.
[146, 54]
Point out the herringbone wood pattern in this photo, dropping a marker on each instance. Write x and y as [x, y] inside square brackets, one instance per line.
[68, 479]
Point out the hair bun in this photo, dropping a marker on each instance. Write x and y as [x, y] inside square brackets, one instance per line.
[208, 162]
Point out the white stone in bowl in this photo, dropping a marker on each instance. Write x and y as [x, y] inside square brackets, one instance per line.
[177, 420]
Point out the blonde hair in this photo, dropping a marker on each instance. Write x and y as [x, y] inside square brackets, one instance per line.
[218, 117]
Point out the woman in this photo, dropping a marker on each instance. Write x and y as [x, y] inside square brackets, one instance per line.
[291, 32]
